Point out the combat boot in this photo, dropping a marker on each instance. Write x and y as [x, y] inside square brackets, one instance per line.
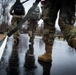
[47, 56]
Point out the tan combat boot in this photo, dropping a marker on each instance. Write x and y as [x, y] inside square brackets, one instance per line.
[47, 56]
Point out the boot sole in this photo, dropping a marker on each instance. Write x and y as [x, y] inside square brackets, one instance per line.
[44, 61]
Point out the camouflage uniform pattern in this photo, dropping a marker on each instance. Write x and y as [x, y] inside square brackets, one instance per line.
[67, 20]
[69, 32]
[49, 23]
[14, 23]
[15, 20]
[33, 23]
[49, 15]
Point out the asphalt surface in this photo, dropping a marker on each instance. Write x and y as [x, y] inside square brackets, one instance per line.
[16, 61]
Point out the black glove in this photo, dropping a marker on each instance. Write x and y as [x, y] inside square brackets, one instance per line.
[38, 0]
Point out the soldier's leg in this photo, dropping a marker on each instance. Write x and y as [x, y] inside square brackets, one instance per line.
[13, 24]
[31, 30]
[48, 38]
[49, 16]
[69, 32]
[16, 34]
[66, 22]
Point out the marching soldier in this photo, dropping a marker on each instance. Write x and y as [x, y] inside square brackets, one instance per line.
[66, 21]
[17, 11]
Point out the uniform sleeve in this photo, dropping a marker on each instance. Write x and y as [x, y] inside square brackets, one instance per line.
[11, 10]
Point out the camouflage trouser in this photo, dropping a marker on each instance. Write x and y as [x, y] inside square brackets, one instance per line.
[68, 31]
[49, 24]
[67, 20]
[49, 15]
[14, 22]
[32, 25]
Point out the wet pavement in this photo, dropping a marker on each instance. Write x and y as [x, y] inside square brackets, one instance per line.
[16, 59]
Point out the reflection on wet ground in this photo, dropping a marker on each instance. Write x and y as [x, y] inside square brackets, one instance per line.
[46, 67]
[23, 59]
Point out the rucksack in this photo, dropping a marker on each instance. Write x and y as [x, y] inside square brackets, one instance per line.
[18, 8]
[35, 14]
